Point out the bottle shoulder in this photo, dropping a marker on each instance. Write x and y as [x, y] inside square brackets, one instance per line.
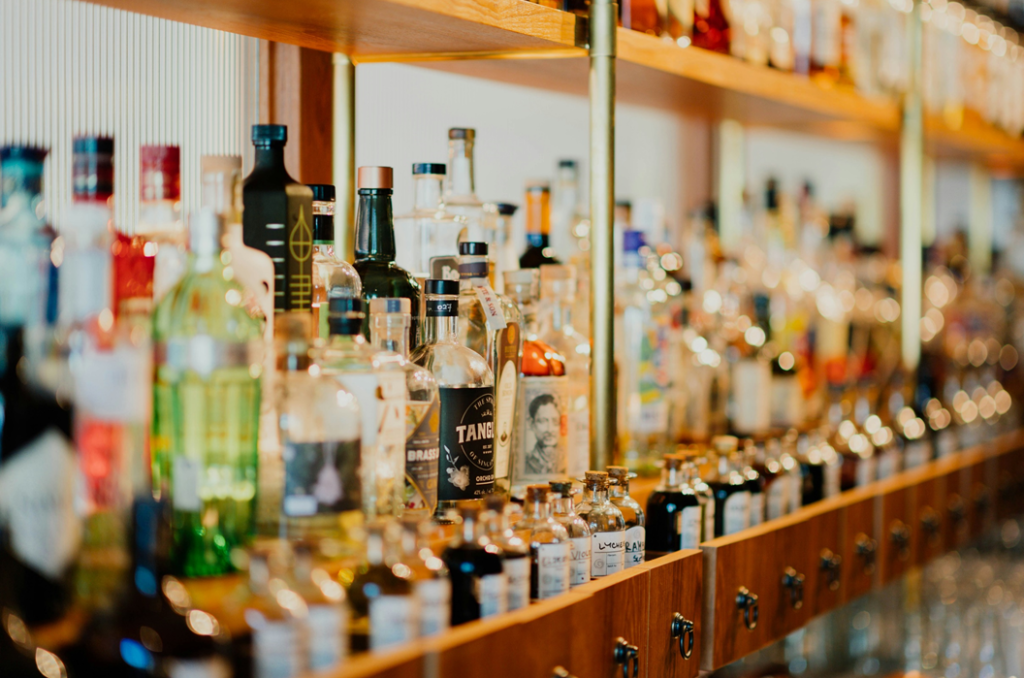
[454, 365]
[205, 304]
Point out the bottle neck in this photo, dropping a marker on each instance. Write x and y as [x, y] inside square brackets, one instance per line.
[21, 180]
[375, 549]
[427, 191]
[461, 182]
[442, 323]
[538, 510]
[595, 496]
[375, 228]
[619, 490]
[468, 531]
[473, 272]
[269, 156]
[391, 333]
[323, 222]
[563, 506]
[671, 476]
[561, 312]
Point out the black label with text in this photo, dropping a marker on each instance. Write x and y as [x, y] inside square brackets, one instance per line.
[466, 469]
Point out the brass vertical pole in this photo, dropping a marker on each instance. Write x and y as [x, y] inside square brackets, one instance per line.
[602, 208]
[344, 142]
[911, 198]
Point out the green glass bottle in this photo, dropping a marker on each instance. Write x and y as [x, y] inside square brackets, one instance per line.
[375, 246]
[206, 404]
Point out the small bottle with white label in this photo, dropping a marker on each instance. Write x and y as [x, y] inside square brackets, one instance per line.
[755, 483]
[674, 513]
[326, 623]
[384, 606]
[273, 640]
[550, 548]
[564, 511]
[607, 526]
[632, 513]
[732, 498]
[768, 463]
[515, 550]
[479, 585]
[697, 455]
[429, 576]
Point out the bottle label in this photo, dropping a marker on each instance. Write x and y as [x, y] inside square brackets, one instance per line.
[778, 497]
[467, 442]
[422, 451]
[756, 508]
[365, 387]
[507, 372]
[737, 512]
[491, 306]
[435, 600]
[391, 435]
[917, 452]
[553, 565]
[214, 667]
[688, 526]
[185, 484]
[709, 519]
[392, 621]
[298, 287]
[517, 575]
[327, 626]
[636, 545]
[542, 439]
[579, 555]
[888, 463]
[321, 478]
[833, 483]
[607, 553]
[492, 592]
[114, 385]
[865, 471]
[275, 647]
[751, 390]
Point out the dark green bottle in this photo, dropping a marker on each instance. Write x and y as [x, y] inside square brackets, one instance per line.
[278, 220]
[375, 246]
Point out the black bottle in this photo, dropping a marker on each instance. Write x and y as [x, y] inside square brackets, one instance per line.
[755, 483]
[732, 498]
[278, 220]
[674, 513]
[479, 585]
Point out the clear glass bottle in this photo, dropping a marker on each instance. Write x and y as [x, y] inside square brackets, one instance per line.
[479, 585]
[383, 597]
[704, 492]
[327, 618]
[674, 512]
[466, 386]
[332, 275]
[491, 325]
[389, 332]
[429, 230]
[206, 405]
[632, 513]
[550, 548]
[564, 511]
[460, 187]
[768, 463]
[538, 226]
[515, 551]
[732, 498]
[755, 484]
[569, 226]
[793, 472]
[503, 252]
[607, 526]
[429, 576]
[320, 428]
[271, 642]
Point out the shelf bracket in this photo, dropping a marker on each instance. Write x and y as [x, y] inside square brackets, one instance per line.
[912, 197]
[344, 142]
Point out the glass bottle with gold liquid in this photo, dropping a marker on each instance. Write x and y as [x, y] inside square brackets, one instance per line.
[538, 226]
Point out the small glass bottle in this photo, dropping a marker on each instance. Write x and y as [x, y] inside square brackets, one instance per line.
[515, 551]
[538, 226]
[550, 550]
[793, 472]
[563, 510]
[332, 275]
[327, 617]
[271, 643]
[732, 498]
[703, 490]
[767, 462]
[607, 526]
[632, 513]
[460, 187]
[429, 576]
[479, 585]
[466, 386]
[429, 230]
[674, 514]
[755, 484]
[383, 598]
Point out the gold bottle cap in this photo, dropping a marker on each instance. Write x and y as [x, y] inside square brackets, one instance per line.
[537, 493]
[598, 478]
[376, 177]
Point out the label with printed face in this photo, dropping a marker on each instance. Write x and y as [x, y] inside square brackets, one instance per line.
[579, 555]
[492, 592]
[517, 574]
[275, 648]
[467, 443]
[688, 527]
[635, 545]
[326, 626]
[435, 600]
[393, 620]
[542, 439]
[553, 564]
[756, 508]
[737, 512]
[778, 498]
[607, 553]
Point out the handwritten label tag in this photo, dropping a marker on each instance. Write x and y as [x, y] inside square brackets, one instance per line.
[492, 307]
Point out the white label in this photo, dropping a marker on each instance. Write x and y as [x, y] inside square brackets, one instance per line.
[865, 471]
[435, 599]
[709, 520]
[517, 576]
[214, 667]
[579, 554]
[392, 409]
[737, 511]
[778, 497]
[492, 307]
[493, 594]
[636, 545]
[392, 621]
[275, 648]
[327, 626]
[688, 527]
[608, 553]
[185, 484]
[505, 402]
[552, 569]
[752, 393]
[364, 387]
[756, 508]
[833, 482]
[114, 385]
[947, 443]
[888, 464]
[917, 452]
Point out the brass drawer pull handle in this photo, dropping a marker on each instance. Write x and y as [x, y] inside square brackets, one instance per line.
[957, 511]
[747, 601]
[794, 581]
[865, 547]
[561, 672]
[682, 628]
[899, 534]
[931, 524]
[626, 654]
[830, 566]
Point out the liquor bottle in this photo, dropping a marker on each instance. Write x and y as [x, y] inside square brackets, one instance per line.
[563, 510]
[320, 424]
[794, 473]
[278, 219]
[541, 443]
[826, 39]
[711, 28]
[914, 438]
[40, 530]
[460, 186]
[515, 551]
[466, 386]
[860, 463]
[559, 331]
[732, 498]
[674, 514]
[569, 226]
[632, 513]
[479, 585]
[332, 275]
[375, 246]
[389, 334]
[755, 484]
[383, 597]
[206, 404]
[429, 230]
[327, 617]
[607, 526]
[692, 476]
[550, 548]
[271, 641]
[433, 588]
[160, 221]
[776, 480]
[538, 226]
[641, 15]
[491, 325]
[503, 252]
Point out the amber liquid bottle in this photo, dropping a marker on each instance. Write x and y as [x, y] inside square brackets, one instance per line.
[710, 26]
[641, 15]
[538, 226]
[674, 515]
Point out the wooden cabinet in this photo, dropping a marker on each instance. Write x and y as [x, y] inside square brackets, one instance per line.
[470, 650]
[929, 518]
[896, 541]
[824, 530]
[958, 486]
[788, 601]
[1010, 483]
[674, 615]
[859, 544]
[606, 610]
[981, 509]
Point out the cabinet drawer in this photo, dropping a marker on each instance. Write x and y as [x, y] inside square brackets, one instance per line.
[789, 602]
[896, 541]
[676, 589]
[860, 545]
[955, 527]
[470, 650]
[1010, 484]
[826, 587]
[981, 509]
[930, 516]
[607, 609]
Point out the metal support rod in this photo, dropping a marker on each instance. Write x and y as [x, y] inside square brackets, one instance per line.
[979, 221]
[911, 198]
[344, 154]
[603, 15]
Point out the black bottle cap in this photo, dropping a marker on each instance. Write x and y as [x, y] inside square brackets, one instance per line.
[100, 145]
[345, 305]
[561, 488]
[29, 153]
[270, 133]
[345, 316]
[478, 249]
[442, 287]
[623, 203]
[462, 133]
[567, 163]
[322, 192]
[506, 209]
[429, 168]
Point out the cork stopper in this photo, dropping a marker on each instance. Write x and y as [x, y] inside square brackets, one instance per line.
[537, 493]
[376, 178]
[596, 479]
[674, 461]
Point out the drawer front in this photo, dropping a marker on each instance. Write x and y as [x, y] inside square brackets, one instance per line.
[930, 516]
[675, 615]
[826, 587]
[981, 509]
[793, 576]
[958, 492]
[859, 549]
[897, 537]
[608, 609]
[1010, 484]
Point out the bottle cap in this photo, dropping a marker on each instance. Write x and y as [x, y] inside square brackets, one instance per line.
[542, 185]
[506, 209]
[92, 168]
[205, 231]
[462, 133]
[632, 241]
[323, 192]
[345, 305]
[376, 178]
[596, 478]
[562, 488]
[270, 133]
[567, 163]
[159, 173]
[674, 461]
[390, 305]
[421, 168]
[473, 249]
[440, 287]
[29, 153]
[618, 473]
[725, 444]
[494, 502]
[538, 493]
